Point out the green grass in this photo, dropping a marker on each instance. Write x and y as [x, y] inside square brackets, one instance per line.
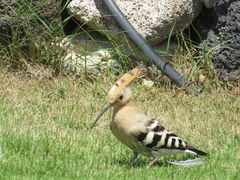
[45, 133]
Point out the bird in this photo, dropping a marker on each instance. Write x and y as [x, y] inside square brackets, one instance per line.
[142, 133]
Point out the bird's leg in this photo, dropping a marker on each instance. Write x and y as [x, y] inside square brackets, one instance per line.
[134, 156]
[152, 162]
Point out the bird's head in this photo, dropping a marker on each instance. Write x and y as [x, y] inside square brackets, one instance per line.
[120, 94]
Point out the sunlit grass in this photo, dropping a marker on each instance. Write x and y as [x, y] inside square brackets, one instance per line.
[45, 130]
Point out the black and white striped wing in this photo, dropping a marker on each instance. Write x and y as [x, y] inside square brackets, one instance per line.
[157, 138]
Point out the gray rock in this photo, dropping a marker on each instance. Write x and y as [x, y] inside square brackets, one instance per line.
[153, 19]
[226, 33]
[221, 34]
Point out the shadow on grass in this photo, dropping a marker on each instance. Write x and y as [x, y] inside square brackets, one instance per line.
[142, 162]
[138, 163]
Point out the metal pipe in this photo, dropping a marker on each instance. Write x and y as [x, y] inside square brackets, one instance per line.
[165, 67]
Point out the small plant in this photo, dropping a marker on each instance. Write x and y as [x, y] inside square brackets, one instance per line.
[32, 38]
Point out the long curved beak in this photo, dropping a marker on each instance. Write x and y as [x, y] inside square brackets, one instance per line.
[104, 109]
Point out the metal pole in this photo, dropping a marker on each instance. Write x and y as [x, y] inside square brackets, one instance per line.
[166, 68]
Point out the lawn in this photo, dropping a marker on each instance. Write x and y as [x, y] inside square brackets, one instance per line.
[44, 130]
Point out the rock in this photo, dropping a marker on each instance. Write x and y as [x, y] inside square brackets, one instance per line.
[201, 78]
[148, 83]
[226, 36]
[91, 63]
[153, 19]
[85, 55]
[221, 34]
[94, 53]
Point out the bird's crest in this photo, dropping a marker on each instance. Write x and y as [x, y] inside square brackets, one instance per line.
[124, 81]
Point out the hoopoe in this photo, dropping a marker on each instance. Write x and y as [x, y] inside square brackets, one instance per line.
[140, 132]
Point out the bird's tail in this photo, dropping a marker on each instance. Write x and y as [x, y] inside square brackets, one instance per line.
[193, 150]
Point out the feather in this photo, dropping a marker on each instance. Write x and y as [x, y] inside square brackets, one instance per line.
[189, 162]
[159, 140]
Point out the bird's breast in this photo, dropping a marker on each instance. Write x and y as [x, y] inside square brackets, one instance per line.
[120, 125]
[121, 130]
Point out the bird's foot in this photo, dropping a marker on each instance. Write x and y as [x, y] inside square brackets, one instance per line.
[152, 162]
[134, 157]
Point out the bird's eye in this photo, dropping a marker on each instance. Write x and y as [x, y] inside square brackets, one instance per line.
[120, 97]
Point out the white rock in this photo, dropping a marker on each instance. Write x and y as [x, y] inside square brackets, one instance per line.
[86, 55]
[148, 83]
[92, 63]
[153, 19]
[202, 78]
